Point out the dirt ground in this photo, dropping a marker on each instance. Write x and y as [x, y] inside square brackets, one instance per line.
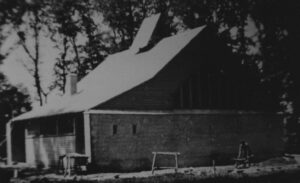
[271, 166]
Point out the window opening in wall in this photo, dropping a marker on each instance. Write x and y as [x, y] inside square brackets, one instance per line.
[65, 127]
[48, 127]
[115, 129]
[33, 129]
[134, 129]
[51, 127]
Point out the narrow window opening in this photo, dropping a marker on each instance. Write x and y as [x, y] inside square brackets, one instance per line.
[115, 129]
[48, 128]
[134, 129]
[65, 127]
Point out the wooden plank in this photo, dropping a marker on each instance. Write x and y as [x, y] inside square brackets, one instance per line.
[167, 153]
[165, 167]
[153, 162]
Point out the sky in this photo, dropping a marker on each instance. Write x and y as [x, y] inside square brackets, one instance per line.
[13, 65]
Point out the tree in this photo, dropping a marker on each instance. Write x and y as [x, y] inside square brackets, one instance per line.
[269, 52]
[65, 29]
[69, 26]
[62, 66]
[14, 100]
[124, 18]
[34, 15]
[10, 14]
[279, 35]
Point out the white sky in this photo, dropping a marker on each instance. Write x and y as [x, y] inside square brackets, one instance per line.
[15, 71]
[13, 66]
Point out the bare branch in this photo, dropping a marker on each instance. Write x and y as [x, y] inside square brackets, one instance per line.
[29, 70]
[27, 51]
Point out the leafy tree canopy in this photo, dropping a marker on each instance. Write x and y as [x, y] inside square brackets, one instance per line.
[14, 100]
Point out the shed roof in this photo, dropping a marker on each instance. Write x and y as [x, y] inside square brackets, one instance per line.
[117, 74]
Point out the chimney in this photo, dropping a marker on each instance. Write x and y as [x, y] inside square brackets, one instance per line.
[71, 84]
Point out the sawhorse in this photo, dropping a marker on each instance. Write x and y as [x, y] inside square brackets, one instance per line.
[175, 154]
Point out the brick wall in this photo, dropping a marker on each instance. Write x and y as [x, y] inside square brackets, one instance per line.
[198, 137]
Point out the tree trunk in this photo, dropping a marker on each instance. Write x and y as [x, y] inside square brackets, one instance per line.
[37, 59]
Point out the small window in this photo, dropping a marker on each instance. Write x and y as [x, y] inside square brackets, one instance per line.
[134, 129]
[115, 129]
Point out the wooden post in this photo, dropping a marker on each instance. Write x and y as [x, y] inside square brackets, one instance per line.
[181, 97]
[214, 166]
[67, 169]
[8, 142]
[69, 165]
[190, 89]
[153, 162]
[15, 173]
[87, 136]
[25, 137]
[176, 163]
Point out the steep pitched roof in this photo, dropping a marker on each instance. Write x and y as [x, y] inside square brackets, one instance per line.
[117, 74]
[145, 33]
